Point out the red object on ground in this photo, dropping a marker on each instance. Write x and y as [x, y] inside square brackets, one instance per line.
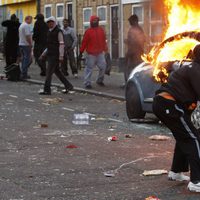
[71, 146]
[2, 77]
[114, 138]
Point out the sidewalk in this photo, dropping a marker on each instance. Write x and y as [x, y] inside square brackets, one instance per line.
[112, 87]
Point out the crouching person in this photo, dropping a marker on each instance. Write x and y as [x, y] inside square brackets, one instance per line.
[173, 105]
[54, 54]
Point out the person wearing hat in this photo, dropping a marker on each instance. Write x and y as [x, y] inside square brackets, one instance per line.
[173, 105]
[135, 45]
[94, 42]
[40, 31]
[54, 53]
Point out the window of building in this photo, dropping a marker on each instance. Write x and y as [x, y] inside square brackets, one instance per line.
[139, 11]
[102, 14]
[69, 13]
[156, 25]
[47, 11]
[60, 11]
[87, 13]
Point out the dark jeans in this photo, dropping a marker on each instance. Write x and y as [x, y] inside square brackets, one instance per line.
[187, 148]
[69, 56]
[26, 59]
[38, 50]
[11, 54]
[53, 67]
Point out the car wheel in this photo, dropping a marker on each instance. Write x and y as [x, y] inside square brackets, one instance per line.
[133, 103]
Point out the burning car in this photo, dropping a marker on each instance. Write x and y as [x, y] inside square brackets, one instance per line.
[182, 34]
[147, 77]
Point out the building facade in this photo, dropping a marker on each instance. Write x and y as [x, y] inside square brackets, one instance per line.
[113, 16]
[21, 8]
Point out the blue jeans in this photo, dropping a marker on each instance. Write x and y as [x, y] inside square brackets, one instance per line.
[26, 59]
[92, 61]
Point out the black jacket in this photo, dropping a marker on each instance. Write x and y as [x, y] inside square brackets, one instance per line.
[184, 84]
[40, 31]
[12, 35]
[53, 43]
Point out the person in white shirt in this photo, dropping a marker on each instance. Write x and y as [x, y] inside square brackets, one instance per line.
[25, 44]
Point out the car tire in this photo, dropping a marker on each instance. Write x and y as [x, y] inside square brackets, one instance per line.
[133, 103]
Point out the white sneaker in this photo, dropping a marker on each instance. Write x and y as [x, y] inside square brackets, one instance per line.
[75, 75]
[177, 176]
[194, 187]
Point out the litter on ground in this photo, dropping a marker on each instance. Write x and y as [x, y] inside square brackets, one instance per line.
[159, 137]
[154, 172]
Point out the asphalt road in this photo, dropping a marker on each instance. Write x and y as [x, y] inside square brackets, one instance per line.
[35, 162]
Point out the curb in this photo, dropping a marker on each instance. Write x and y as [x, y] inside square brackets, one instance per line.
[82, 90]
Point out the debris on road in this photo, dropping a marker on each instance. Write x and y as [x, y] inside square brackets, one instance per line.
[109, 173]
[115, 115]
[98, 119]
[2, 77]
[116, 101]
[81, 119]
[112, 173]
[44, 125]
[154, 172]
[128, 136]
[52, 100]
[159, 137]
[113, 138]
[152, 198]
[71, 146]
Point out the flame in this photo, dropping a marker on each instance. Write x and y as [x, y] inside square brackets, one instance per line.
[183, 16]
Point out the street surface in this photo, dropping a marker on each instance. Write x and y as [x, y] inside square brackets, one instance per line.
[35, 162]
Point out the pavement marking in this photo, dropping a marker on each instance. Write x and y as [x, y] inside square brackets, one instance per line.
[1, 93]
[90, 114]
[46, 104]
[115, 120]
[13, 96]
[29, 100]
[143, 126]
[68, 109]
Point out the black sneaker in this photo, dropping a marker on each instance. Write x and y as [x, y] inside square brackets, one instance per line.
[100, 84]
[44, 93]
[88, 87]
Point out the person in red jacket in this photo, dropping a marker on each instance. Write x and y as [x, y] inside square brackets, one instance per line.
[94, 43]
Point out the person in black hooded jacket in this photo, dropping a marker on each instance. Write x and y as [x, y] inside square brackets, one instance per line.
[173, 105]
[11, 47]
[40, 31]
